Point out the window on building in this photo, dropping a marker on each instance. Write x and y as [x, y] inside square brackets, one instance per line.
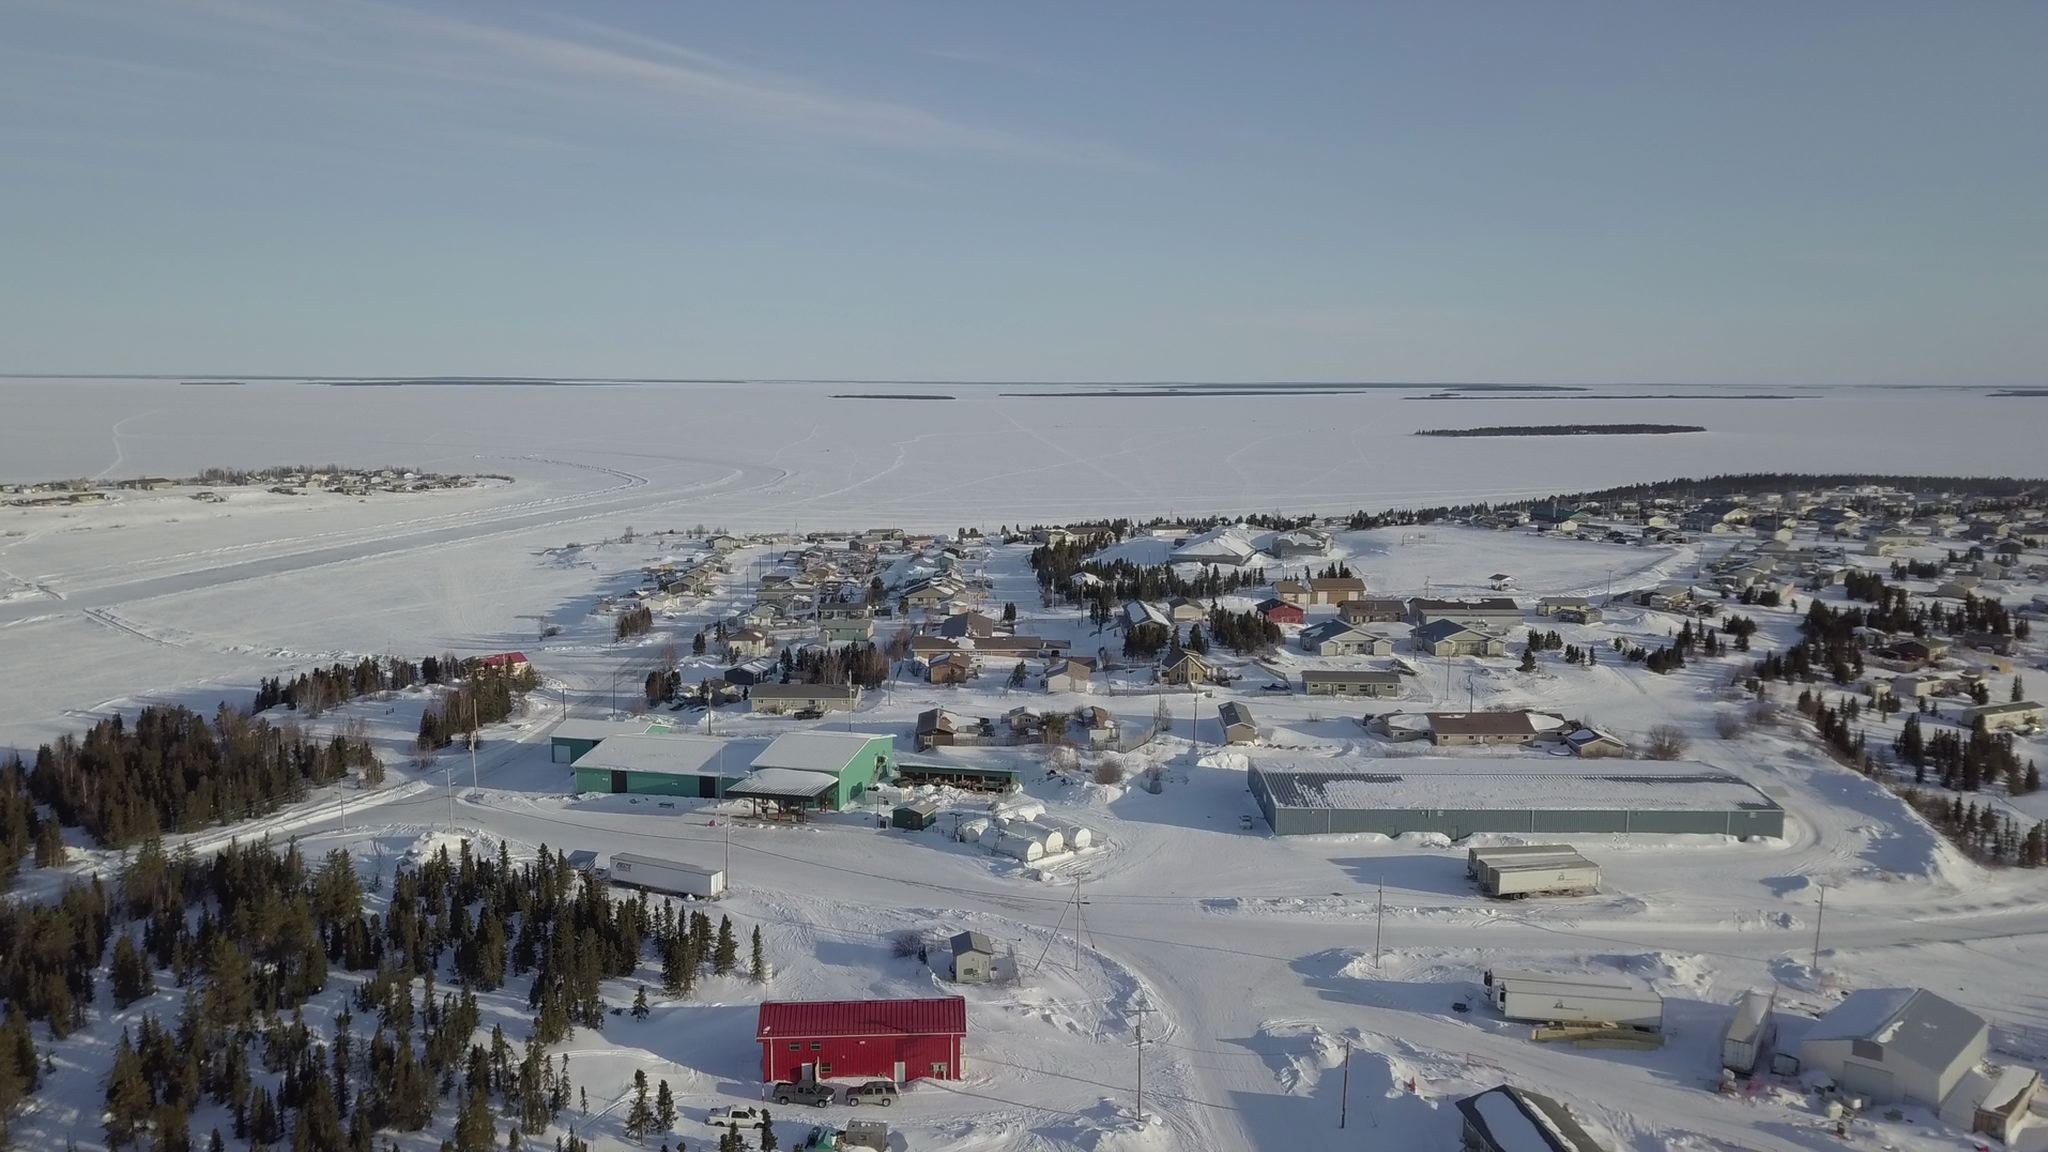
[824, 1070]
[817, 1046]
[939, 1068]
[796, 1047]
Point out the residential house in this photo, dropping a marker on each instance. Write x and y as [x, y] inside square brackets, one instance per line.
[1552, 605]
[1224, 547]
[1069, 676]
[974, 958]
[1593, 744]
[1187, 668]
[1181, 610]
[1368, 611]
[847, 630]
[967, 625]
[1280, 611]
[1293, 592]
[1237, 722]
[1335, 589]
[950, 668]
[936, 728]
[759, 670]
[1336, 638]
[1464, 729]
[1325, 682]
[1486, 612]
[1450, 638]
[1297, 544]
[748, 643]
[1137, 612]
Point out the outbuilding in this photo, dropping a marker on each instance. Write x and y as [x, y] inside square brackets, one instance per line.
[915, 817]
[1886, 1045]
[573, 739]
[973, 958]
[1237, 722]
[1280, 611]
[898, 1040]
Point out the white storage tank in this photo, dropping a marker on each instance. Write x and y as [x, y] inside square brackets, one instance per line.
[1077, 837]
[1053, 840]
[1018, 846]
[970, 830]
[1016, 808]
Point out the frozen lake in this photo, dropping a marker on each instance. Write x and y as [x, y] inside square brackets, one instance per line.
[157, 597]
[769, 455]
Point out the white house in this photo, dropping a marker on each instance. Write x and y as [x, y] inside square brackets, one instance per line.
[1896, 1044]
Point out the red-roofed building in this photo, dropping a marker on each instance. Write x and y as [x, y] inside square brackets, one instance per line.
[901, 1040]
[509, 661]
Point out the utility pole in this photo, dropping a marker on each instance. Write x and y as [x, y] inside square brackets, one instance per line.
[475, 734]
[1379, 920]
[1344, 1106]
[1139, 1026]
[449, 778]
[1077, 927]
[1817, 918]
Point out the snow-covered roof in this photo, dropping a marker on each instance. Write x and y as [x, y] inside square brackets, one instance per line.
[791, 783]
[1484, 784]
[579, 729]
[1922, 1027]
[1514, 1120]
[815, 751]
[670, 754]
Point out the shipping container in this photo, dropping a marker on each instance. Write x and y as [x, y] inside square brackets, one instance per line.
[671, 876]
[1518, 880]
[1551, 998]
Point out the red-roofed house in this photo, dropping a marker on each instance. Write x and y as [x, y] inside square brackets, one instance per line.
[1280, 611]
[902, 1040]
[509, 661]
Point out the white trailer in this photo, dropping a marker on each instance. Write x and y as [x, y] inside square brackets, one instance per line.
[1578, 998]
[1538, 879]
[1477, 859]
[1529, 870]
[1750, 1032]
[670, 876]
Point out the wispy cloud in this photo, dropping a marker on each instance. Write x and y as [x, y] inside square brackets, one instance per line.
[575, 59]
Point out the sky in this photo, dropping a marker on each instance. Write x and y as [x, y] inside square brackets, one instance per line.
[1638, 191]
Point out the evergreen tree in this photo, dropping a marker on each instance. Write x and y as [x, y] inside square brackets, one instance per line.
[640, 1003]
[759, 968]
[664, 1108]
[727, 956]
[475, 1131]
[128, 1102]
[131, 977]
[50, 843]
[640, 1115]
[767, 1132]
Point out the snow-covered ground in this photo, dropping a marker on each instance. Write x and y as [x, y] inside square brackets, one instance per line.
[1251, 962]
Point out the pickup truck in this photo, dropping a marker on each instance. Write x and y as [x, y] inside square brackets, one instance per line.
[745, 1115]
[802, 1092]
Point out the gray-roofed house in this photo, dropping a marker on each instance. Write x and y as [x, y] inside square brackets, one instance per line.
[1455, 729]
[1336, 638]
[1594, 744]
[2014, 716]
[1483, 611]
[1444, 637]
[1893, 1044]
[1237, 722]
[974, 958]
[1069, 676]
[1510, 1119]
[1327, 682]
[1372, 611]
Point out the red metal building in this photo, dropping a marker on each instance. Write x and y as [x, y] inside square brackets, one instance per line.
[900, 1040]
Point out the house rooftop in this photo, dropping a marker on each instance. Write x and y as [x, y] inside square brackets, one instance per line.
[815, 751]
[1930, 1030]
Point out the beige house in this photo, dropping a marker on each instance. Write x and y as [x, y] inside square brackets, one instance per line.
[2017, 716]
[778, 699]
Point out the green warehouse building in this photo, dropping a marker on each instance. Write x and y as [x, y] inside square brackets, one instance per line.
[815, 770]
[572, 740]
[665, 764]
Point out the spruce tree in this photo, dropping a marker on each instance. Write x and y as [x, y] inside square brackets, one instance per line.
[664, 1108]
[759, 968]
[130, 975]
[726, 958]
[640, 1003]
[640, 1115]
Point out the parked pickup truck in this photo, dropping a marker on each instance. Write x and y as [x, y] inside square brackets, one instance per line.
[745, 1115]
[802, 1092]
[881, 1092]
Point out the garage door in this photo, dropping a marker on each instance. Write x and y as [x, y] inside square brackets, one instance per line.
[1872, 1084]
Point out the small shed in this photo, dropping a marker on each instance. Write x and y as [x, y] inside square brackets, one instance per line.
[1892, 1044]
[914, 817]
[973, 958]
[1238, 725]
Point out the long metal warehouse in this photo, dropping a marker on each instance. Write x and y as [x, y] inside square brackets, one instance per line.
[1460, 797]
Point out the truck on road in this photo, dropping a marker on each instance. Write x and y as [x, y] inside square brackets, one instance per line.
[672, 877]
